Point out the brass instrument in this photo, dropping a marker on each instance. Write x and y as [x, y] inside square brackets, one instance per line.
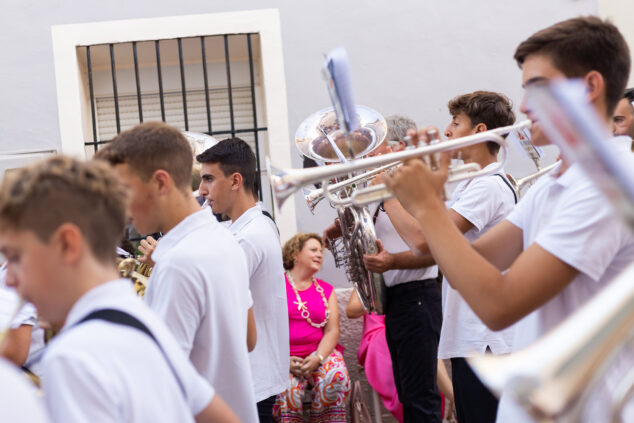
[137, 272]
[556, 376]
[286, 182]
[521, 183]
[321, 138]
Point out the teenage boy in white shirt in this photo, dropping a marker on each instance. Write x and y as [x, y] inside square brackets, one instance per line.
[228, 182]
[199, 285]
[563, 242]
[113, 360]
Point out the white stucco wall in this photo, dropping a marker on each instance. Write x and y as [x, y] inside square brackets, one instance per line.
[407, 56]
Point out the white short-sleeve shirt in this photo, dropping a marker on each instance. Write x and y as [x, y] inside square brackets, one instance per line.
[393, 243]
[18, 398]
[270, 358]
[99, 371]
[571, 219]
[485, 202]
[200, 288]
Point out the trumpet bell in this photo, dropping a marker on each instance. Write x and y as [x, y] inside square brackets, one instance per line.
[312, 142]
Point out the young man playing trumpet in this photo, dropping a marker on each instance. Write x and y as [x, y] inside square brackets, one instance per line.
[563, 242]
[475, 207]
[199, 286]
[114, 360]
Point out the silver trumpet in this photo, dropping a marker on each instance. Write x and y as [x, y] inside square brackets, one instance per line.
[287, 182]
[556, 377]
[519, 184]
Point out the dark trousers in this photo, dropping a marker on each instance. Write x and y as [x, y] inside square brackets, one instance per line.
[412, 328]
[474, 402]
[265, 409]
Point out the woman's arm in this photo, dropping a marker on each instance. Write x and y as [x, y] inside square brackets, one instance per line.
[328, 341]
[354, 308]
[217, 411]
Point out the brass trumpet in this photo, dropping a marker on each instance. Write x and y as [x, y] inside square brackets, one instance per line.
[287, 182]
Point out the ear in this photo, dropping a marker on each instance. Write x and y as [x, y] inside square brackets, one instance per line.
[595, 85]
[163, 181]
[236, 181]
[69, 241]
[480, 127]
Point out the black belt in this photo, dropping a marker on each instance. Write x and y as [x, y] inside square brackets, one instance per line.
[410, 288]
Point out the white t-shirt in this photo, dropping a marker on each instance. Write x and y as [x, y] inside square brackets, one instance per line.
[200, 288]
[18, 398]
[393, 243]
[571, 219]
[261, 245]
[99, 371]
[485, 202]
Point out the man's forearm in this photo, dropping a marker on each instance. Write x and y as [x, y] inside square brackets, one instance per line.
[409, 260]
[406, 226]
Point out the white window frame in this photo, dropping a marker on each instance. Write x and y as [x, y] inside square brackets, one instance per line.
[73, 100]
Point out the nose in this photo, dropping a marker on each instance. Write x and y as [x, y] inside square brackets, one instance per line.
[202, 190]
[523, 106]
[448, 132]
[11, 278]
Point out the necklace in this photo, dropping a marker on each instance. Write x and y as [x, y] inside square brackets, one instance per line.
[301, 305]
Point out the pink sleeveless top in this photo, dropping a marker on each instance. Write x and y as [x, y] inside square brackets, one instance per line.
[304, 338]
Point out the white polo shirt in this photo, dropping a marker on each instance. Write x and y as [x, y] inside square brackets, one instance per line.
[18, 398]
[485, 202]
[393, 243]
[270, 358]
[200, 288]
[99, 371]
[571, 219]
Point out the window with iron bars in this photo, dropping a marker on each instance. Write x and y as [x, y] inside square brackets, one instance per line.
[207, 84]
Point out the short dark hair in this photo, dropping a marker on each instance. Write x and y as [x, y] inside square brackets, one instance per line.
[45, 195]
[233, 155]
[629, 94]
[580, 45]
[151, 146]
[487, 107]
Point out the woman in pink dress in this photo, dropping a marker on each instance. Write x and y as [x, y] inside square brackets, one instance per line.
[316, 358]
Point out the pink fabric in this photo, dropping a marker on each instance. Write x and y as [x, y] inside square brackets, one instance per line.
[305, 338]
[374, 356]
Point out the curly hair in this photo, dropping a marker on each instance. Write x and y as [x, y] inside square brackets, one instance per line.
[293, 246]
[491, 108]
[59, 190]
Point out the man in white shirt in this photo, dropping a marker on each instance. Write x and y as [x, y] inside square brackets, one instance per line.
[563, 242]
[199, 285]
[228, 182]
[113, 360]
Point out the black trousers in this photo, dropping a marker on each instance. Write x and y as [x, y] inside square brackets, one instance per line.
[412, 328]
[265, 409]
[474, 402]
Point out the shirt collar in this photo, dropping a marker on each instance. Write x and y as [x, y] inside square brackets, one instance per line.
[245, 218]
[104, 295]
[186, 226]
[623, 143]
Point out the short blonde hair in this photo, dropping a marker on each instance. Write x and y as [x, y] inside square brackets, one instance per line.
[293, 246]
[43, 196]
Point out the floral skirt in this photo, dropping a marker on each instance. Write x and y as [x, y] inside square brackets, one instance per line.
[331, 385]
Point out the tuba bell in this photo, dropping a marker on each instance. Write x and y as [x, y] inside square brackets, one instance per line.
[321, 138]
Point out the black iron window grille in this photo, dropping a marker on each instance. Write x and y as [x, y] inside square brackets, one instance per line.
[204, 84]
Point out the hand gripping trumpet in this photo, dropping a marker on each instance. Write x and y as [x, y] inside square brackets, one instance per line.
[287, 182]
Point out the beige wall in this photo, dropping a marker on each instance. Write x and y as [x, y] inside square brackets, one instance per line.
[621, 12]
